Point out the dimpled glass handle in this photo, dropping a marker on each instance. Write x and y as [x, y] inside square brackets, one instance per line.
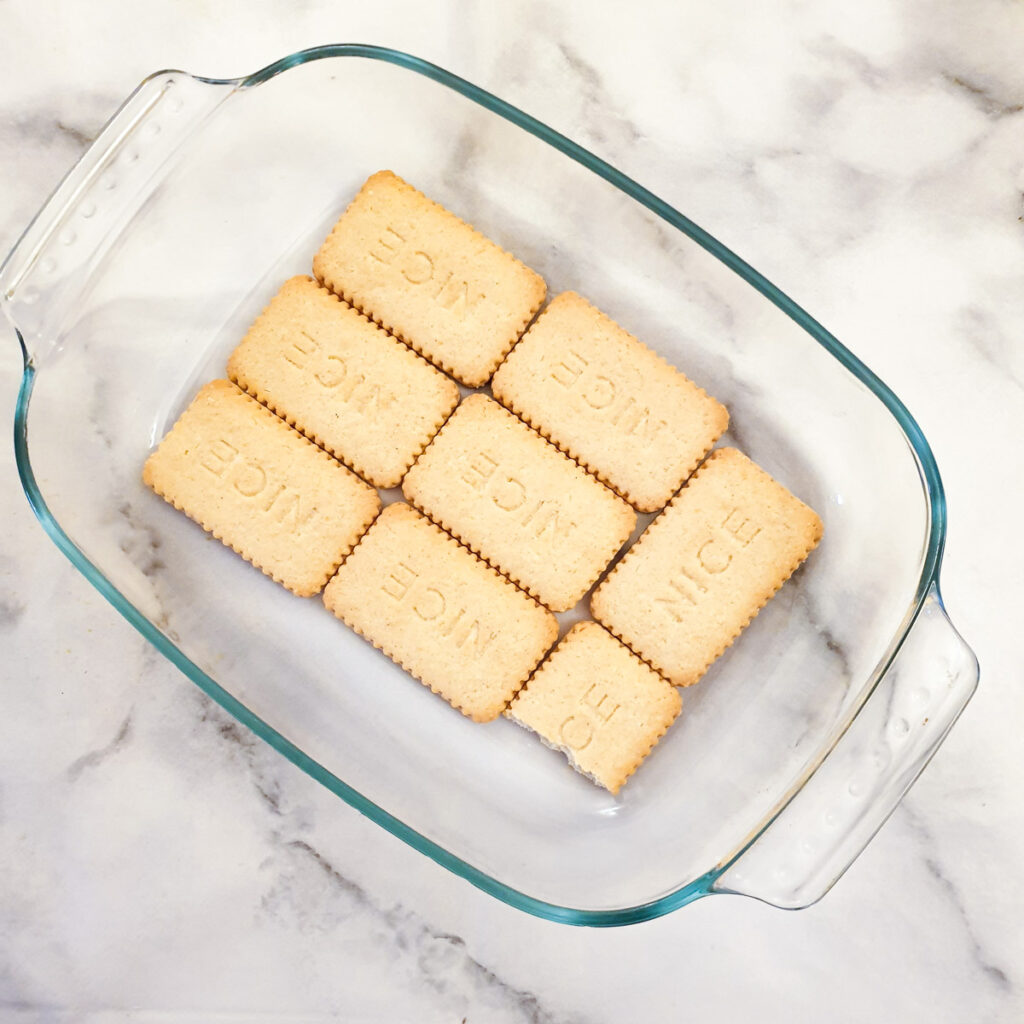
[819, 834]
[57, 255]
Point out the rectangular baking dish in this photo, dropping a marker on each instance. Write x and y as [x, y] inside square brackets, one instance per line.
[141, 273]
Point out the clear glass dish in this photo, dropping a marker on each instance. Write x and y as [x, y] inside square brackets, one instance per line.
[142, 271]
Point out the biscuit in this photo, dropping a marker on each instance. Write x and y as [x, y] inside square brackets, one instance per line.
[597, 703]
[447, 618]
[609, 401]
[261, 488]
[705, 567]
[429, 278]
[519, 503]
[342, 381]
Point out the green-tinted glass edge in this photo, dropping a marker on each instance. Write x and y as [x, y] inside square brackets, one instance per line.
[927, 468]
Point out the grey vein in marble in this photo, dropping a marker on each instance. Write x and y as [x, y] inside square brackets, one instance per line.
[73, 120]
[440, 959]
[40, 127]
[991, 105]
[596, 97]
[143, 543]
[439, 956]
[981, 957]
[80, 137]
[865, 70]
[11, 610]
[94, 758]
[982, 332]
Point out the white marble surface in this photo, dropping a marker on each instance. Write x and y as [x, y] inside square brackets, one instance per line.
[156, 863]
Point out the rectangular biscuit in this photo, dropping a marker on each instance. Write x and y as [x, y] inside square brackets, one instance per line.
[609, 401]
[705, 567]
[261, 488]
[519, 503]
[447, 618]
[429, 278]
[342, 381]
[597, 703]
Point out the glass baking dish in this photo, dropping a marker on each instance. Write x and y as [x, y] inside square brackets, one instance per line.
[142, 271]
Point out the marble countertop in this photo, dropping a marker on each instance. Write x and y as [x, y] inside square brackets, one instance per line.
[158, 864]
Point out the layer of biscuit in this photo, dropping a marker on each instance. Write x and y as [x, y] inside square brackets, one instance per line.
[517, 501]
[609, 401]
[429, 278]
[447, 618]
[261, 488]
[705, 567]
[598, 703]
[342, 381]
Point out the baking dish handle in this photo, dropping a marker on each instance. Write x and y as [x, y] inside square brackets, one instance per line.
[46, 272]
[823, 829]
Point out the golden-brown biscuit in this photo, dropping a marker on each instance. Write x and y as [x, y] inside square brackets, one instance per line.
[261, 488]
[609, 401]
[705, 567]
[342, 381]
[518, 502]
[598, 703]
[429, 278]
[445, 616]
